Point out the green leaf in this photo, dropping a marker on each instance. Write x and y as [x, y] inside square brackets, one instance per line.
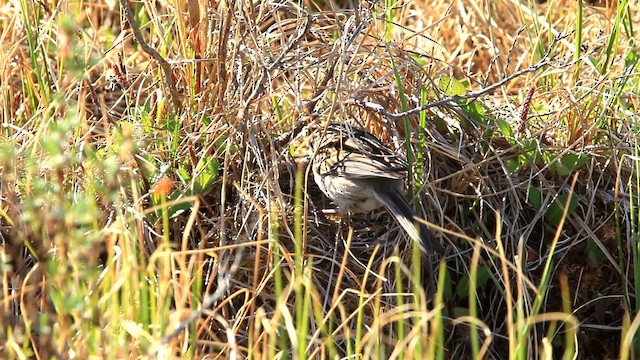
[594, 63]
[183, 171]
[175, 209]
[554, 213]
[483, 275]
[476, 111]
[178, 208]
[206, 175]
[534, 196]
[459, 311]
[452, 86]
[513, 165]
[149, 166]
[631, 60]
[594, 253]
[569, 163]
[505, 128]
[448, 285]
[530, 153]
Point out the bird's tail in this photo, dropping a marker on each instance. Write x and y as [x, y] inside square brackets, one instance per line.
[395, 201]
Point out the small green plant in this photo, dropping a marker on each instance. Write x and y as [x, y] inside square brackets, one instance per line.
[552, 212]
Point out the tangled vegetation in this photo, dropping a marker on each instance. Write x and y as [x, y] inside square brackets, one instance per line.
[155, 199]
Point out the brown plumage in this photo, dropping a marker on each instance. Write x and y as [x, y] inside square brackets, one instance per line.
[360, 174]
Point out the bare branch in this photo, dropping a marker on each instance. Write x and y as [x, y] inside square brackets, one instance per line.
[224, 283]
[454, 101]
[164, 64]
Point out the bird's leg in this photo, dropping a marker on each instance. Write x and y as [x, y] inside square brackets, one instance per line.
[330, 211]
[336, 211]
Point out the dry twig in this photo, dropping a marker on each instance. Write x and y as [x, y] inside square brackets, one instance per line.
[164, 64]
[455, 100]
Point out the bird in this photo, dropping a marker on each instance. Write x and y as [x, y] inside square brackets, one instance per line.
[360, 174]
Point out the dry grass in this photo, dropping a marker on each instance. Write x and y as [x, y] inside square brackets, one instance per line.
[125, 200]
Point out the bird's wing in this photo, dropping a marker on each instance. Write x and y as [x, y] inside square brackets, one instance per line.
[356, 153]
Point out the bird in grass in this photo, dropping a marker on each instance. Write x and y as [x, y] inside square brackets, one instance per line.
[360, 174]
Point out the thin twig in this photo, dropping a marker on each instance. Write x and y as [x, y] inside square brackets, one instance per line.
[259, 87]
[224, 283]
[455, 100]
[164, 64]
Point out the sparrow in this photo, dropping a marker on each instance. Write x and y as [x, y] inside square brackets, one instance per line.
[360, 174]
